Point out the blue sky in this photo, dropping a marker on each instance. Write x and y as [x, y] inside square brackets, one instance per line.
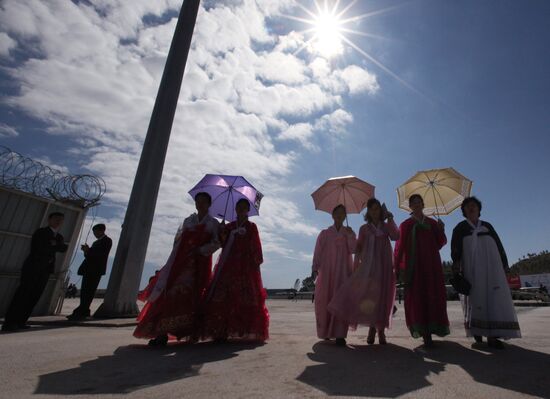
[78, 81]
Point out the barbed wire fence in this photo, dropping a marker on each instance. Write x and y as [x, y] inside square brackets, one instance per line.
[33, 177]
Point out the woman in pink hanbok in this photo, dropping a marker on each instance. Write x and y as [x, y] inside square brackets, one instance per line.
[332, 265]
[367, 297]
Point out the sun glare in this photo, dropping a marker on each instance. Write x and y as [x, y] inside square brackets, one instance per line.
[331, 28]
[327, 28]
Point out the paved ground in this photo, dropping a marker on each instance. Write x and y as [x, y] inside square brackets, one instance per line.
[94, 362]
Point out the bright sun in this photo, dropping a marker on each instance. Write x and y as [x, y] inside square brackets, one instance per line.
[328, 34]
[330, 30]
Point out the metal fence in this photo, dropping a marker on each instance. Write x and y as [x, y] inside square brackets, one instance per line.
[33, 177]
[29, 192]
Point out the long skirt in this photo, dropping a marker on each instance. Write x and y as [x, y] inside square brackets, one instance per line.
[235, 303]
[176, 311]
[367, 297]
[426, 300]
[489, 309]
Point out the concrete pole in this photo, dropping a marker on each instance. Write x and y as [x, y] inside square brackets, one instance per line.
[120, 298]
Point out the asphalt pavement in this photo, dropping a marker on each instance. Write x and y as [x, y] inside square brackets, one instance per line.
[96, 361]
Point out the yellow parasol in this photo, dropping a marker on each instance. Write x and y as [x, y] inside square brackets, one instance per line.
[443, 190]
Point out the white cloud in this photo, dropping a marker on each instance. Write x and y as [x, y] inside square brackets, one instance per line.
[358, 80]
[335, 122]
[280, 67]
[125, 18]
[320, 68]
[290, 42]
[8, 131]
[6, 44]
[97, 75]
[301, 132]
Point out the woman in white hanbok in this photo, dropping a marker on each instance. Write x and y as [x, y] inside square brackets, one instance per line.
[478, 253]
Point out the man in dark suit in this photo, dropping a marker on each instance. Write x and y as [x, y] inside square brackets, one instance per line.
[46, 242]
[92, 268]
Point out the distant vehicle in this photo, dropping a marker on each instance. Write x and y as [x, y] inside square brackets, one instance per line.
[514, 282]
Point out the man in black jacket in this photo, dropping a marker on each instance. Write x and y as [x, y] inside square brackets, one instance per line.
[46, 242]
[92, 268]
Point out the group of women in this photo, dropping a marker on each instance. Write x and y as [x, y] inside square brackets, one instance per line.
[356, 277]
[186, 301]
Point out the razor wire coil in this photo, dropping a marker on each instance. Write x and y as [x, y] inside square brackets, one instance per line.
[31, 176]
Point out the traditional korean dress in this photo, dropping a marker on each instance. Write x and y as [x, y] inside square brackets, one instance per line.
[175, 294]
[417, 256]
[235, 303]
[368, 295]
[333, 261]
[488, 309]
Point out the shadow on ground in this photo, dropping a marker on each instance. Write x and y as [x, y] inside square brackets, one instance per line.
[361, 370]
[135, 367]
[514, 368]
[390, 371]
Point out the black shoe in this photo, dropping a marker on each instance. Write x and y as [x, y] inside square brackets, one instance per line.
[394, 310]
[495, 343]
[161, 340]
[428, 341]
[371, 336]
[340, 341]
[478, 338]
[382, 339]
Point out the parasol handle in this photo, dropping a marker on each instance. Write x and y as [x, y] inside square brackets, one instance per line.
[435, 202]
[227, 203]
[344, 192]
[230, 189]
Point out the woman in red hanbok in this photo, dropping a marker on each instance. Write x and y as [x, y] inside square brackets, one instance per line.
[235, 303]
[175, 294]
[417, 257]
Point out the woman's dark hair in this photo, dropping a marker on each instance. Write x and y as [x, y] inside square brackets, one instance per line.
[370, 203]
[205, 195]
[340, 206]
[468, 200]
[243, 201]
[415, 196]
[56, 215]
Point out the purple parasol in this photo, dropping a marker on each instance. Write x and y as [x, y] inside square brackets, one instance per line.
[226, 191]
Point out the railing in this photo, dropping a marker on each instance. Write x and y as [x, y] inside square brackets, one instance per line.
[33, 177]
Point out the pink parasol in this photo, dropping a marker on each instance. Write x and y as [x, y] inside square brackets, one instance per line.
[349, 191]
